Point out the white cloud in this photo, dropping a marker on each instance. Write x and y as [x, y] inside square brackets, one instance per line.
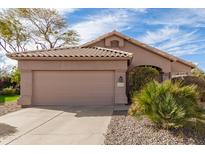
[104, 22]
[62, 11]
[175, 41]
[180, 17]
[2, 59]
[141, 10]
[5, 62]
[153, 37]
[66, 11]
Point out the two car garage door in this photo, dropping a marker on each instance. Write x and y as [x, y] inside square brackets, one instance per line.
[73, 87]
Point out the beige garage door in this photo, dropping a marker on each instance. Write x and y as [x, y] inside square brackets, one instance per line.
[73, 87]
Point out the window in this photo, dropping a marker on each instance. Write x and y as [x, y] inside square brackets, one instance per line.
[114, 43]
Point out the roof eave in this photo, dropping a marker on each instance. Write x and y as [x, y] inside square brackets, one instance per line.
[69, 58]
[185, 63]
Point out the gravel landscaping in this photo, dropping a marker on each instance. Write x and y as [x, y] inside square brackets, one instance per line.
[9, 107]
[127, 130]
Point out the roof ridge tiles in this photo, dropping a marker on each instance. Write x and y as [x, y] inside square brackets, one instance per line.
[77, 51]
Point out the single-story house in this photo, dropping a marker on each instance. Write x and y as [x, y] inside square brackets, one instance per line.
[91, 74]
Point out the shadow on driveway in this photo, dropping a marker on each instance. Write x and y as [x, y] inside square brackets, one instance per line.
[6, 129]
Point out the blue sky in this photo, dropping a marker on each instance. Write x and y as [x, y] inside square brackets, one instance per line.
[180, 32]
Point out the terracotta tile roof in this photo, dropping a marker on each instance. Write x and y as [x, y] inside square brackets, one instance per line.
[142, 45]
[72, 53]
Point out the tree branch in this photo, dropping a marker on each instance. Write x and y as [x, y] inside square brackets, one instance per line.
[54, 44]
[4, 47]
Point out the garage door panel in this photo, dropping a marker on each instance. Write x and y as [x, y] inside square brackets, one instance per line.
[73, 87]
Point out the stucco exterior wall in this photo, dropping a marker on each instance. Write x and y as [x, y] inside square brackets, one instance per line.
[26, 87]
[27, 67]
[99, 44]
[72, 65]
[179, 67]
[142, 56]
[115, 38]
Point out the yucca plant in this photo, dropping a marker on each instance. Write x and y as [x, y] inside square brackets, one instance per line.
[168, 105]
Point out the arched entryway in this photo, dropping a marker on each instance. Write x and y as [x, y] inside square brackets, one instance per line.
[131, 71]
[157, 68]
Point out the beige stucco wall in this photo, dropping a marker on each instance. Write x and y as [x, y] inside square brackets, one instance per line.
[179, 67]
[142, 56]
[27, 67]
[110, 39]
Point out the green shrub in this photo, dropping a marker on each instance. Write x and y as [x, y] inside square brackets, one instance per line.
[134, 109]
[8, 91]
[193, 80]
[140, 76]
[168, 105]
[5, 82]
[10, 79]
[15, 77]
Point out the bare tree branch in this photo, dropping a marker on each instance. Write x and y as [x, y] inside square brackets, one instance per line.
[4, 47]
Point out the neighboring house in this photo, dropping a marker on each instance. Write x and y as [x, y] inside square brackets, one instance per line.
[92, 74]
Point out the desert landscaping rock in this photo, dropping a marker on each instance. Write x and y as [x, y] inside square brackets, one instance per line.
[127, 130]
[9, 107]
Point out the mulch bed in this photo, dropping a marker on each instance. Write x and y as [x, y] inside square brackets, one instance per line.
[9, 107]
[127, 130]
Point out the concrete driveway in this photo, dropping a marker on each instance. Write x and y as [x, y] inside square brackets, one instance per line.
[58, 125]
